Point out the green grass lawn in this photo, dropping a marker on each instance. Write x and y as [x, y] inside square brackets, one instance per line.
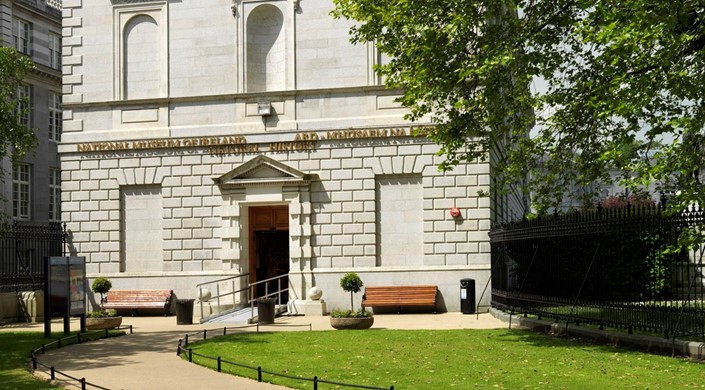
[442, 359]
[14, 357]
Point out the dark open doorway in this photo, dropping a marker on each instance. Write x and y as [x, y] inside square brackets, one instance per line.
[269, 253]
[272, 251]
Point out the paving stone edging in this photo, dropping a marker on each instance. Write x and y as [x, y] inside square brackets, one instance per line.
[652, 344]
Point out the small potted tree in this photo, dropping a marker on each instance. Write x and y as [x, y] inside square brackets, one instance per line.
[351, 319]
[102, 319]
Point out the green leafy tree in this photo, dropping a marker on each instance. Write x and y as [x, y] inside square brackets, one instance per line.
[16, 139]
[599, 85]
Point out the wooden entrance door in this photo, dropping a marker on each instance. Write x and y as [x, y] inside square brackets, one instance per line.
[269, 246]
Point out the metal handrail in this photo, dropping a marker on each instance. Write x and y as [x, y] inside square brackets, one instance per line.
[250, 290]
[267, 294]
[218, 295]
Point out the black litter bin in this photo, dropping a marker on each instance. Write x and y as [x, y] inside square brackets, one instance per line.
[184, 311]
[467, 296]
[265, 310]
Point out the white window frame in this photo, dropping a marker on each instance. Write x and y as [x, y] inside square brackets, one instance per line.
[55, 116]
[55, 50]
[22, 35]
[54, 194]
[22, 192]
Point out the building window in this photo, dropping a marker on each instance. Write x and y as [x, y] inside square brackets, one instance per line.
[54, 194]
[22, 35]
[21, 195]
[55, 117]
[55, 51]
[24, 95]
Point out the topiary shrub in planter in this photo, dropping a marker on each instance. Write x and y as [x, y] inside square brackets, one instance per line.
[351, 319]
[102, 319]
[102, 286]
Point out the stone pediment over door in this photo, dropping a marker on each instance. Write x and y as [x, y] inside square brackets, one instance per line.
[259, 171]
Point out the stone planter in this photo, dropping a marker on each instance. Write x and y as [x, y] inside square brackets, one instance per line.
[103, 323]
[352, 322]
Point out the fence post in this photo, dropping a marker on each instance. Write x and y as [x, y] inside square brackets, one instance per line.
[205, 335]
[58, 344]
[225, 330]
[190, 355]
[178, 348]
[34, 361]
[106, 332]
[78, 338]
[315, 383]
[219, 366]
[43, 349]
[186, 340]
[259, 374]
[53, 374]
[130, 329]
[83, 383]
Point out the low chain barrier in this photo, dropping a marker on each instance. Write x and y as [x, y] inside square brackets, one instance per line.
[203, 335]
[80, 338]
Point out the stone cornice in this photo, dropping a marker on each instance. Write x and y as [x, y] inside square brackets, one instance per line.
[254, 96]
[47, 73]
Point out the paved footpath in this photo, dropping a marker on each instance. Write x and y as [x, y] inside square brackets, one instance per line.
[147, 358]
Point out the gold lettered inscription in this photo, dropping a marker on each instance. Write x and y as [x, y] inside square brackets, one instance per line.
[303, 141]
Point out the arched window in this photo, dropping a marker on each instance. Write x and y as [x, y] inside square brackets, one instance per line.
[266, 50]
[142, 58]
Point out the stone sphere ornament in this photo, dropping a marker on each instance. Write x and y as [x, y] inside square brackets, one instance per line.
[204, 295]
[315, 293]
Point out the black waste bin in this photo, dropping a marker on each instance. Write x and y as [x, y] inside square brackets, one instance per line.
[184, 311]
[265, 310]
[467, 296]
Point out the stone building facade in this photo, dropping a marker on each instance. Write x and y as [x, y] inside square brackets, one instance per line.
[219, 138]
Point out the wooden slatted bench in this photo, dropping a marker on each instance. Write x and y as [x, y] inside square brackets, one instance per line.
[398, 296]
[139, 299]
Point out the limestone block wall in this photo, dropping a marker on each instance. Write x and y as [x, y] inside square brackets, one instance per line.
[343, 214]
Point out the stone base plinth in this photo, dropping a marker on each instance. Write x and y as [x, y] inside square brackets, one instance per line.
[308, 308]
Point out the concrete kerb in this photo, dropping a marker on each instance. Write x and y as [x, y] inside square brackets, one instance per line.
[652, 344]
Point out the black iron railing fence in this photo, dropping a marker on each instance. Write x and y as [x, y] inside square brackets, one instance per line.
[626, 268]
[23, 247]
[183, 348]
[78, 338]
